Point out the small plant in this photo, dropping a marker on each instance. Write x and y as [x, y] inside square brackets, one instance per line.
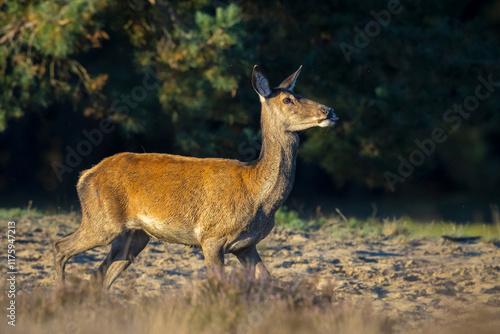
[13, 213]
[394, 228]
[290, 219]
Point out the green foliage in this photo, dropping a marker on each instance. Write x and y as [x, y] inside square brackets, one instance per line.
[38, 40]
[401, 229]
[290, 219]
[15, 213]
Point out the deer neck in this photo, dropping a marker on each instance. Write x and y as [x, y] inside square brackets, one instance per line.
[275, 167]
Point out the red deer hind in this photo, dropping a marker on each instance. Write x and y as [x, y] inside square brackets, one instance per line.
[220, 205]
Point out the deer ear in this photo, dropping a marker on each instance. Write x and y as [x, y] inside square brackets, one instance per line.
[289, 83]
[260, 83]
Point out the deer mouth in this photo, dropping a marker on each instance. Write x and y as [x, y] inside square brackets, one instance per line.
[328, 121]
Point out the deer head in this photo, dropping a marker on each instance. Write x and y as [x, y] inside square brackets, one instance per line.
[292, 111]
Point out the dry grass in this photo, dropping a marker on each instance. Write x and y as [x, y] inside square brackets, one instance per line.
[236, 304]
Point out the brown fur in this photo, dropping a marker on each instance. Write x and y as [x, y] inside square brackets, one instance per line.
[219, 205]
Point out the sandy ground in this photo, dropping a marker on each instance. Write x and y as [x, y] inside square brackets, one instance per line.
[414, 281]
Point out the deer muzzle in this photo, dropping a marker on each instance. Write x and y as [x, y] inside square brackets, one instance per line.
[329, 119]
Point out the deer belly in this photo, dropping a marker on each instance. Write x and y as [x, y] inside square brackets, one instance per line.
[167, 232]
[252, 236]
[243, 242]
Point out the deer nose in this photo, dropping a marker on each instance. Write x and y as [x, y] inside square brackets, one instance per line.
[328, 112]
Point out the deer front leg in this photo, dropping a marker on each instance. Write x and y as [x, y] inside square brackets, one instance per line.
[213, 250]
[250, 257]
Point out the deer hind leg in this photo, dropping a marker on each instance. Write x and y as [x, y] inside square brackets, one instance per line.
[250, 257]
[85, 238]
[124, 250]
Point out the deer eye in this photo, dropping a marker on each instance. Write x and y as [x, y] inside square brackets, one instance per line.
[286, 100]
